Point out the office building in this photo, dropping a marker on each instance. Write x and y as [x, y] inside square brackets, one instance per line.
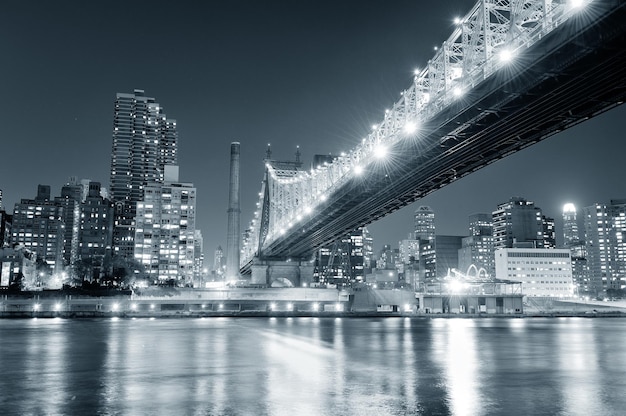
[144, 141]
[542, 272]
[519, 221]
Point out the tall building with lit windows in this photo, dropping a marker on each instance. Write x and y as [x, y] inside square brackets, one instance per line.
[95, 234]
[424, 224]
[542, 272]
[519, 221]
[165, 232]
[578, 251]
[344, 261]
[605, 238]
[477, 249]
[38, 226]
[144, 141]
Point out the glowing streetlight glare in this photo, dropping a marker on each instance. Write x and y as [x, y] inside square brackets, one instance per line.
[57, 306]
[506, 55]
[272, 306]
[457, 92]
[36, 307]
[575, 4]
[316, 307]
[115, 306]
[410, 127]
[380, 151]
[457, 20]
[133, 306]
[358, 170]
[374, 126]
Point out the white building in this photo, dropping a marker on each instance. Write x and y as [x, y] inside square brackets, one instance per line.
[542, 272]
[165, 231]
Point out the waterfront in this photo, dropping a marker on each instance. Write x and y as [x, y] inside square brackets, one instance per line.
[321, 366]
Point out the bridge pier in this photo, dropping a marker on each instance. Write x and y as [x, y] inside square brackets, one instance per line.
[280, 273]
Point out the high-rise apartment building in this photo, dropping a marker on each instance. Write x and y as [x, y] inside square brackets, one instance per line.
[477, 249]
[144, 141]
[70, 199]
[424, 225]
[166, 223]
[38, 226]
[519, 221]
[605, 237]
[95, 235]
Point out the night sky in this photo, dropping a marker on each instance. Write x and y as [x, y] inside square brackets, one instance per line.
[316, 74]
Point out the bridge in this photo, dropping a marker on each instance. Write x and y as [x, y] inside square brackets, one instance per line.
[512, 73]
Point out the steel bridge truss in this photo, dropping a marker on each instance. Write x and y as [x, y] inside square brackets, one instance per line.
[487, 40]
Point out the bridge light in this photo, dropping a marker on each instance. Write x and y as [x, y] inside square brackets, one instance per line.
[374, 127]
[416, 71]
[316, 307]
[380, 151]
[575, 4]
[457, 92]
[323, 197]
[57, 306]
[308, 209]
[358, 170]
[457, 21]
[410, 127]
[506, 55]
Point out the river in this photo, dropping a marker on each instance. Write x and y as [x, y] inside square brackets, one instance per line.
[313, 366]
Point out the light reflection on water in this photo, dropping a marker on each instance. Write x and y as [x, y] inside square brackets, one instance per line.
[313, 366]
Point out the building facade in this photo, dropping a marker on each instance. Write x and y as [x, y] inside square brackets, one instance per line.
[605, 238]
[478, 249]
[578, 251]
[542, 272]
[520, 221]
[95, 236]
[38, 226]
[144, 141]
[164, 237]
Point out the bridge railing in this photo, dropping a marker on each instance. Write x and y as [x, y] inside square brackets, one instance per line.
[487, 39]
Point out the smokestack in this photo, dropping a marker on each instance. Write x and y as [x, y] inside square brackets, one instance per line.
[233, 237]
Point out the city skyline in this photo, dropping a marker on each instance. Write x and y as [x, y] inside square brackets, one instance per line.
[291, 75]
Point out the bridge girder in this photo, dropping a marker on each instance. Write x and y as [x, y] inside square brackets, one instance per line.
[565, 76]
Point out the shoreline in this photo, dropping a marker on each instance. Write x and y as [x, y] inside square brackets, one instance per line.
[265, 314]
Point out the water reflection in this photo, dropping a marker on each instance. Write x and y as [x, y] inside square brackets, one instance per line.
[315, 366]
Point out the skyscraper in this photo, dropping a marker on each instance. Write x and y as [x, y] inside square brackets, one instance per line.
[144, 141]
[519, 221]
[477, 249]
[95, 235]
[424, 225]
[605, 231]
[578, 252]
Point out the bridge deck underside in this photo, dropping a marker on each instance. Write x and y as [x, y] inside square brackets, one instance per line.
[567, 77]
